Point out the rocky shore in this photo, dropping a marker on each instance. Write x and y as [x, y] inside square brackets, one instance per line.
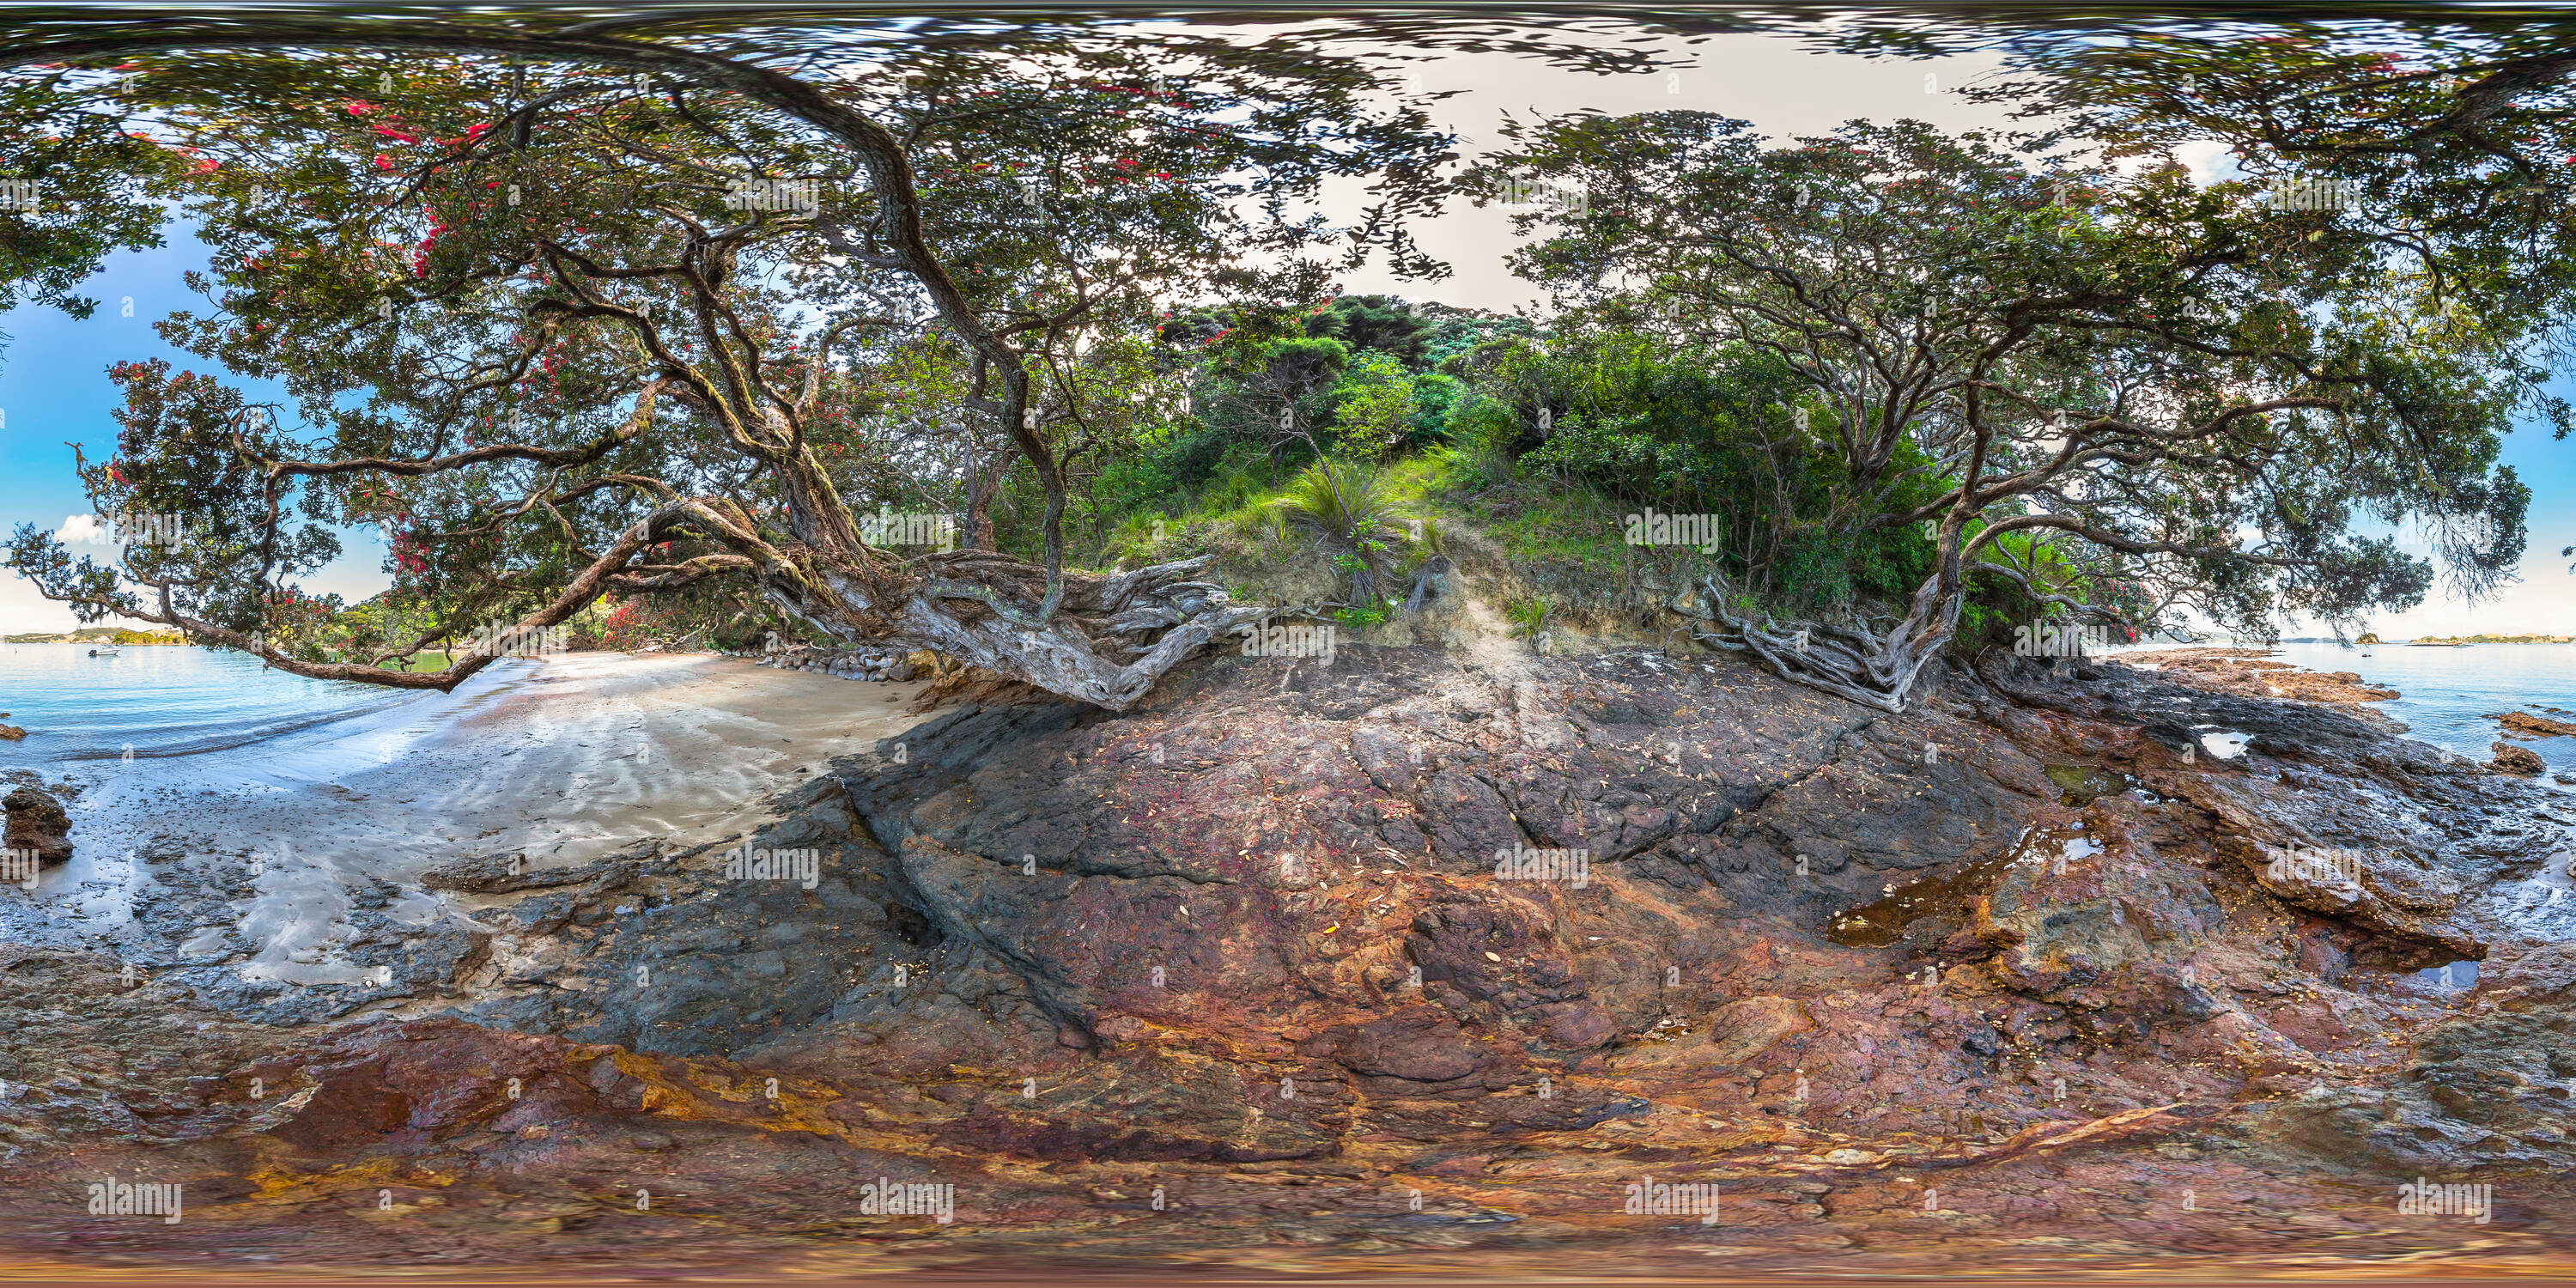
[879, 664]
[1422, 962]
[2250, 672]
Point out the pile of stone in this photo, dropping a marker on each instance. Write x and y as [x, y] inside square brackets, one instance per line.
[884, 664]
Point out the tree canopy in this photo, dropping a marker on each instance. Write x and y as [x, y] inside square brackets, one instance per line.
[724, 314]
[572, 313]
[2188, 393]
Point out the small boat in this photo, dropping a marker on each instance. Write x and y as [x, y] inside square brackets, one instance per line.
[106, 650]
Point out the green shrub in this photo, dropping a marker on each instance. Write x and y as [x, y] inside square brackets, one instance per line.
[1353, 513]
[1528, 617]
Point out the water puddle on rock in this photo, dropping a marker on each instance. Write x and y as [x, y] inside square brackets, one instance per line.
[299, 916]
[1879, 924]
[2081, 785]
[2452, 978]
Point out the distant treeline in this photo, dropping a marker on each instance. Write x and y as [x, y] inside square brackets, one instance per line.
[2495, 639]
[97, 635]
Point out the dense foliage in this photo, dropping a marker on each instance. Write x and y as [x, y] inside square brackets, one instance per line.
[935, 345]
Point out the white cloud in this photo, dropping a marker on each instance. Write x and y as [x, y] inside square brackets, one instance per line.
[1777, 82]
[82, 529]
[23, 610]
[2209, 161]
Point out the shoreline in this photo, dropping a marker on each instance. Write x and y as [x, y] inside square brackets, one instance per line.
[564, 761]
[2444, 716]
[2251, 672]
[1037, 933]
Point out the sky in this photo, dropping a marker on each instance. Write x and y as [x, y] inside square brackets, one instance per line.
[54, 388]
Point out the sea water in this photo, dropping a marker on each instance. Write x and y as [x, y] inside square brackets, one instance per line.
[2450, 692]
[160, 700]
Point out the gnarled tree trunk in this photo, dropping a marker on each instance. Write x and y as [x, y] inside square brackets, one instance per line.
[1109, 640]
[1849, 661]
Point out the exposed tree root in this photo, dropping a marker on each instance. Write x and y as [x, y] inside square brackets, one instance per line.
[1849, 661]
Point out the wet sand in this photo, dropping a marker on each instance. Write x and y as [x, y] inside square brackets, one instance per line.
[562, 759]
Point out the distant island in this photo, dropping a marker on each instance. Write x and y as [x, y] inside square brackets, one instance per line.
[2492, 639]
[117, 635]
[2369, 638]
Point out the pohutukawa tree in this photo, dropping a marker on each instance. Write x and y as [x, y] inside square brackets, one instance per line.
[2128, 390]
[572, 313]
[2459, 136]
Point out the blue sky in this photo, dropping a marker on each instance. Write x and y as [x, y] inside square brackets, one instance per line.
[54, 387]
[54, 391]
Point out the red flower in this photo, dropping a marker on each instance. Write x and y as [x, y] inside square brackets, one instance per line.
[384, 162]
[360, 108]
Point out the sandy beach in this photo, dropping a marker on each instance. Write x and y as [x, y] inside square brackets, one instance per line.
[562, 759]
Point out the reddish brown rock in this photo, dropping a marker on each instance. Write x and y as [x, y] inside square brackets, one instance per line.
[38, 823]
[1741, 1031]
[2538, 726]
[2249, 672]
[1421, 1044]
[1066, 964]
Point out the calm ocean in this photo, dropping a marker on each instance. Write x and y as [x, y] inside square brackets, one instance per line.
[160, 700]
[2449, 692]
